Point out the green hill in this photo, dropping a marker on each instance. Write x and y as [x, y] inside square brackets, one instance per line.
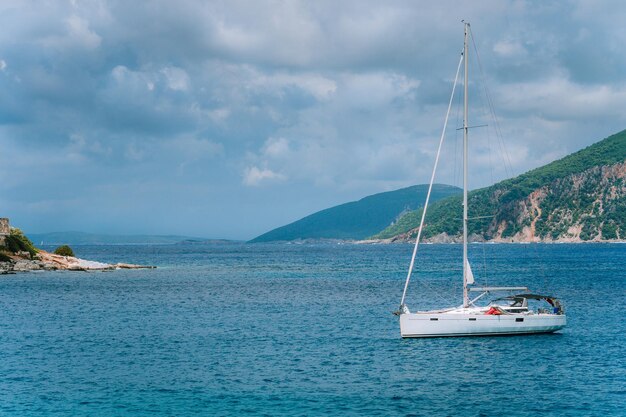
[358, 219]
[579, 197]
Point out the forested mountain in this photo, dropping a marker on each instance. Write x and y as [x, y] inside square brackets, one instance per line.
[580, 197]
[358, 219]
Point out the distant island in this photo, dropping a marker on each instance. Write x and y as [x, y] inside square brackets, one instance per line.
[579, 198]
[19, 254]
[358, 219]
[82, 238]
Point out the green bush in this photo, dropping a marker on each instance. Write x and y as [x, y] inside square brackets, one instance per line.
[64, 250]
[12, 244]
[4, 257]
[609, 231]
[17, 242]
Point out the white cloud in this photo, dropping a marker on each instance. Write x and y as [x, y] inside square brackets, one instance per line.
[285, 32]
[219, 115]
[176, 78]
[509, 48]
[79, 31]
[363, 133]
[76, 33]
[374, 89]
[254, 176]
[561, 99]
[276, 147]
[320, 87]
[236, 38]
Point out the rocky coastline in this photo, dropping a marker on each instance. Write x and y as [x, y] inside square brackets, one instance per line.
[45, 261]
[476, 238]
[18, 254]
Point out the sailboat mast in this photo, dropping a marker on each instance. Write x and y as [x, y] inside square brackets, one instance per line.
[465, 131]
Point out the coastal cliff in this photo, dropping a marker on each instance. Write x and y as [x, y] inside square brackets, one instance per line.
[579, 198]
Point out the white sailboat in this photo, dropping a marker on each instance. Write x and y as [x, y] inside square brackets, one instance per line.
[508, 315]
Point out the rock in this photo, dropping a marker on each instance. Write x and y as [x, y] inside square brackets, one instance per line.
[442, 238]
[49, 266]
[475, 237]
[133, 266]
[24, 265]
[6, 267]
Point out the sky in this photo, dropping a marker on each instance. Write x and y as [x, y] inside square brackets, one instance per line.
[225, 119]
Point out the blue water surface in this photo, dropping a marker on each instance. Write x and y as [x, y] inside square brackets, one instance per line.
[277, 329]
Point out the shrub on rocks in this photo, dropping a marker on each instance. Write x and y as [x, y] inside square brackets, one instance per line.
[17, 242]
[64, 250]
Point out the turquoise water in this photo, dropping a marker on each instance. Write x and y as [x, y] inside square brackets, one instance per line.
[306, 330]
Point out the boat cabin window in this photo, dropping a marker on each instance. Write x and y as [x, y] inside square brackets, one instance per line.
[523, 302]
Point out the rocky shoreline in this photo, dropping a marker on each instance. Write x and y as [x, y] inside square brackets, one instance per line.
[45, 261]
[475, 238]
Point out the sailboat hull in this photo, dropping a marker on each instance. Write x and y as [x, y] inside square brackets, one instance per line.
[452, 324]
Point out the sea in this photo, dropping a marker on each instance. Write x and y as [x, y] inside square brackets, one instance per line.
[307, 330]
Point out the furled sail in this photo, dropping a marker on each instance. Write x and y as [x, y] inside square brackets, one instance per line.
[470, 275]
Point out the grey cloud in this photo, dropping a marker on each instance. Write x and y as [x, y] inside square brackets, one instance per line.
[175, 103]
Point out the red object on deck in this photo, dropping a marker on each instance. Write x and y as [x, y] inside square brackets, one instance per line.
[494, 312]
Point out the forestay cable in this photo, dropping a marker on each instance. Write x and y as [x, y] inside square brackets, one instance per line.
[430, 187]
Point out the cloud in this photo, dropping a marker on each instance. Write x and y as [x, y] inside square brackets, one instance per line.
[76, 34]
[314, 103]
[318, 86]
[558, 98]
[78, 30]
[509, 48]
[254, 176]
[176, 78]
[276, 148]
